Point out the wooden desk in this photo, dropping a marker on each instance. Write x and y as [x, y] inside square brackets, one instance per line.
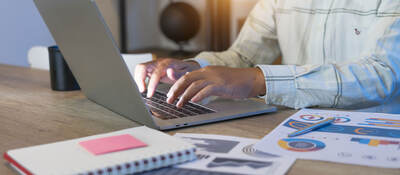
[32, 114]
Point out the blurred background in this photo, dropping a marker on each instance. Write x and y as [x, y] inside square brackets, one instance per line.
[135, 25]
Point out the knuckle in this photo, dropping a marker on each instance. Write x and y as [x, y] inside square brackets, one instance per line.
[159, 70]
[166, 61]
[197, 83]
[186, 78]
[156, 72]
[160, 63]
[184, 97]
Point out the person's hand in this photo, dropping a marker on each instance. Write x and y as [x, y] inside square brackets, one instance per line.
[164, 70]
[217, 81]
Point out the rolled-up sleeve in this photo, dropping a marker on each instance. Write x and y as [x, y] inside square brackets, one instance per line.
[371, 80]
[256, 44]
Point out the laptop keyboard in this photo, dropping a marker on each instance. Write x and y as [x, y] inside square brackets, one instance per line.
[160, 108]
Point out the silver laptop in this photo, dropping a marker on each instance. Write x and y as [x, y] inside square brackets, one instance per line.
[94, 58]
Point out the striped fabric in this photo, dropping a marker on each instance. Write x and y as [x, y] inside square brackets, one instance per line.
[335, 53]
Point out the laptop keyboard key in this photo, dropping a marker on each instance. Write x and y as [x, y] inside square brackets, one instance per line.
[165, 111]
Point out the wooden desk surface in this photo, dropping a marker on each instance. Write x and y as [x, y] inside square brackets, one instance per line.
[31, 114]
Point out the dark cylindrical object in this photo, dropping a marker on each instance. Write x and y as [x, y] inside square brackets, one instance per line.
[61, 76]
[180, 21]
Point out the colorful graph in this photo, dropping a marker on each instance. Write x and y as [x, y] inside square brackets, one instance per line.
[301, 145]
[374, 142]
[347, 129]
[382, 122]
[341, 120]
[311, 117]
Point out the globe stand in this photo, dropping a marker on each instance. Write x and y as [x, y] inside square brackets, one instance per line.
[181, 51]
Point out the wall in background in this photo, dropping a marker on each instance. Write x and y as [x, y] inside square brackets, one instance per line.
[22, 27]
[142, 24]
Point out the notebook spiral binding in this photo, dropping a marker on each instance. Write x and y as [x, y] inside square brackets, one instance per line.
[146, 164]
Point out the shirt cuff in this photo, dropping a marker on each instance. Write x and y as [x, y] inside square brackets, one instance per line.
[280, 84]
[202, 62]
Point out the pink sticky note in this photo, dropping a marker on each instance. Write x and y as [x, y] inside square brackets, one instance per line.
[112, 144]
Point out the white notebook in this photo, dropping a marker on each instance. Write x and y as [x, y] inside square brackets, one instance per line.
[72, 157]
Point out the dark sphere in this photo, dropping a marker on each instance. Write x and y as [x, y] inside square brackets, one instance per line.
[179, 22]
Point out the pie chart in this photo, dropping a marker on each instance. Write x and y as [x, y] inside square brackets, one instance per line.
[301, 145]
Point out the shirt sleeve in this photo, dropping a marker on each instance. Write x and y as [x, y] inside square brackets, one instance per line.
[201, 62]
[372, 79]
[256, 44]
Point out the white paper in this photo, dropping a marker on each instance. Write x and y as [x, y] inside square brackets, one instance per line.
[38, 57]
[232, 155]
[370, 139]
[131, 60]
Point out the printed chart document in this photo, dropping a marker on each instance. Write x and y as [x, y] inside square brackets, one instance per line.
[370, 139]
[223, 155]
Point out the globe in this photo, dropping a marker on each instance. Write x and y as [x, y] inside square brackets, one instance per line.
[179, 22]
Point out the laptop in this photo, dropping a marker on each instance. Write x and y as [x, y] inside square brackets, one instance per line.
[96, 62]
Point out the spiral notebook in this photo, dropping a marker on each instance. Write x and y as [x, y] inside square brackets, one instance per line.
[122, 152]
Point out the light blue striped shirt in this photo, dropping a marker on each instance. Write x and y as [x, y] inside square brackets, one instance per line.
[335, 53]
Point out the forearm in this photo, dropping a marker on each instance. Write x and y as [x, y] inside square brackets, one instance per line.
[354, 85]
[227, 58]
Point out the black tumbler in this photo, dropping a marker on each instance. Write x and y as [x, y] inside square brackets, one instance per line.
[61, 76]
